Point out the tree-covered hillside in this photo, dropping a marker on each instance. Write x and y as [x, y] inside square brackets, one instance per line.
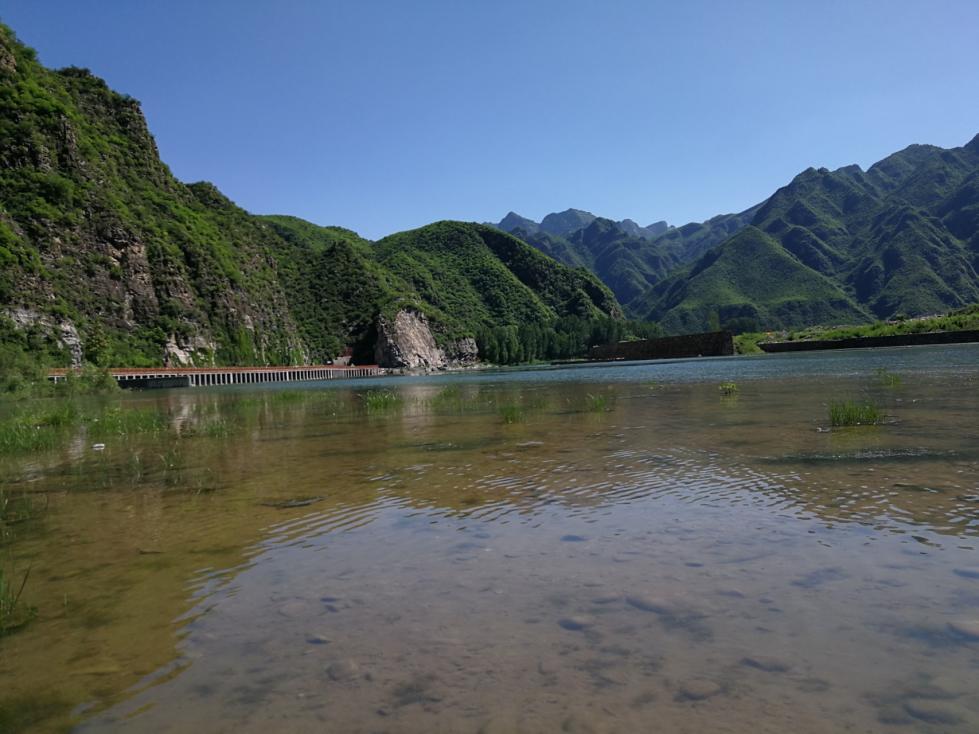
[900, 239]
[106, 257]
[629, 259]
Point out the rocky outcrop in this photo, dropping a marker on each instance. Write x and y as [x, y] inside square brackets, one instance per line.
[407, 342]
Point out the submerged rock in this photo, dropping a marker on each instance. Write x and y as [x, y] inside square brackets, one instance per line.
[655, 604]
[577, 623]
[966, 573]
[698, 689]
[343, 670]
[766, 663]
[967, 628]
[932, 712]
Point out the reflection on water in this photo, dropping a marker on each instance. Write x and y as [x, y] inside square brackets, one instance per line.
[601, 549]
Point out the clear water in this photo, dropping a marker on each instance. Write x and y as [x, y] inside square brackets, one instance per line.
[612, 549]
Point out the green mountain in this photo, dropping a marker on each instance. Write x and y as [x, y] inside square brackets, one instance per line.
[900, 239]
[750, 279]
[105, 256]
[629, 259]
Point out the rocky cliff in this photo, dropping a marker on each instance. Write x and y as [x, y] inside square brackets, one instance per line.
[407, 341]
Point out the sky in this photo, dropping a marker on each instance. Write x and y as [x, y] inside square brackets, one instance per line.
[384, 115]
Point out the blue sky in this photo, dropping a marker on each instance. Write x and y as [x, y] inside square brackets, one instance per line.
[386, 115]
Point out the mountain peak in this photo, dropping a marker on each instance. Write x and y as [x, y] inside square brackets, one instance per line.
[566, 222]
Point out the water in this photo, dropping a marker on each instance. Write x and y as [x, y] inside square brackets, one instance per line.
[633, 550]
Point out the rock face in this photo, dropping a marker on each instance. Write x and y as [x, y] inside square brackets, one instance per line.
[407, 341]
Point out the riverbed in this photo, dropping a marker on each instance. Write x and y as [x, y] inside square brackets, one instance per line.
[612, 548]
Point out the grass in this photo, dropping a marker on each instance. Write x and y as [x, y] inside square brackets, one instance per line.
[887, 378]
[597, 403]
[728, 388]
[851, 413]
[14, 614]
[511, 413]
[381, 401]
[962, 319]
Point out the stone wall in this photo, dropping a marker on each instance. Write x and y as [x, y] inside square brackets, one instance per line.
[710, 344]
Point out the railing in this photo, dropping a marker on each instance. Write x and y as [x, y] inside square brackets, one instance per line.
[207, 376]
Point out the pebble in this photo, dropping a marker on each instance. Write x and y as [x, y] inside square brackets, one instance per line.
[606, 599]
[968, 628]
[698, 689]
[343, 670]
[648, 603]
[894, 715]
[577, 623]
[966, 573]
[766, 663]
[98, 447]
[317, 639]
[295, 609]
[573, 538]
[932, 713]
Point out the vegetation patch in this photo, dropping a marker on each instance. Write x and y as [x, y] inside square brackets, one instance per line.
[852, 413]
[381, 401]
[728, 388]
[511, 413]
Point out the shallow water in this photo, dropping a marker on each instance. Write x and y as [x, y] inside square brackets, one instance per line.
[634, 552]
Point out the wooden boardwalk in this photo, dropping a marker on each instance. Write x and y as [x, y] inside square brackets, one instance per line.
[149, 377]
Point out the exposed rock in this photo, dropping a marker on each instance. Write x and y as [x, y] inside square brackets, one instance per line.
[63, 332]
[407, 341]
[194, 350]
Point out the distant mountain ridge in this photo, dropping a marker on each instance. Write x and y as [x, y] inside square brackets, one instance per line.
[628, 258]
[901, 238]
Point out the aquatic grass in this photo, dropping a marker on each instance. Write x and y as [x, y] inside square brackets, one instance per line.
[728, 389]
[887, 378]
[381, 401]
[851, 413]
[125, 421]
[596, 403]
[511, 413]
[14, 614]
[449, 397]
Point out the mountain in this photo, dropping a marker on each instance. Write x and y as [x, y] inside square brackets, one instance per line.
[752, 279]
[628, 258]
[900, 239]
[564, 223]
[106, 257]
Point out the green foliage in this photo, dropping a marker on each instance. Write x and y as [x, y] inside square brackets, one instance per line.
[567, 337]
[851, 413]
[963, 319]
[729, 388]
